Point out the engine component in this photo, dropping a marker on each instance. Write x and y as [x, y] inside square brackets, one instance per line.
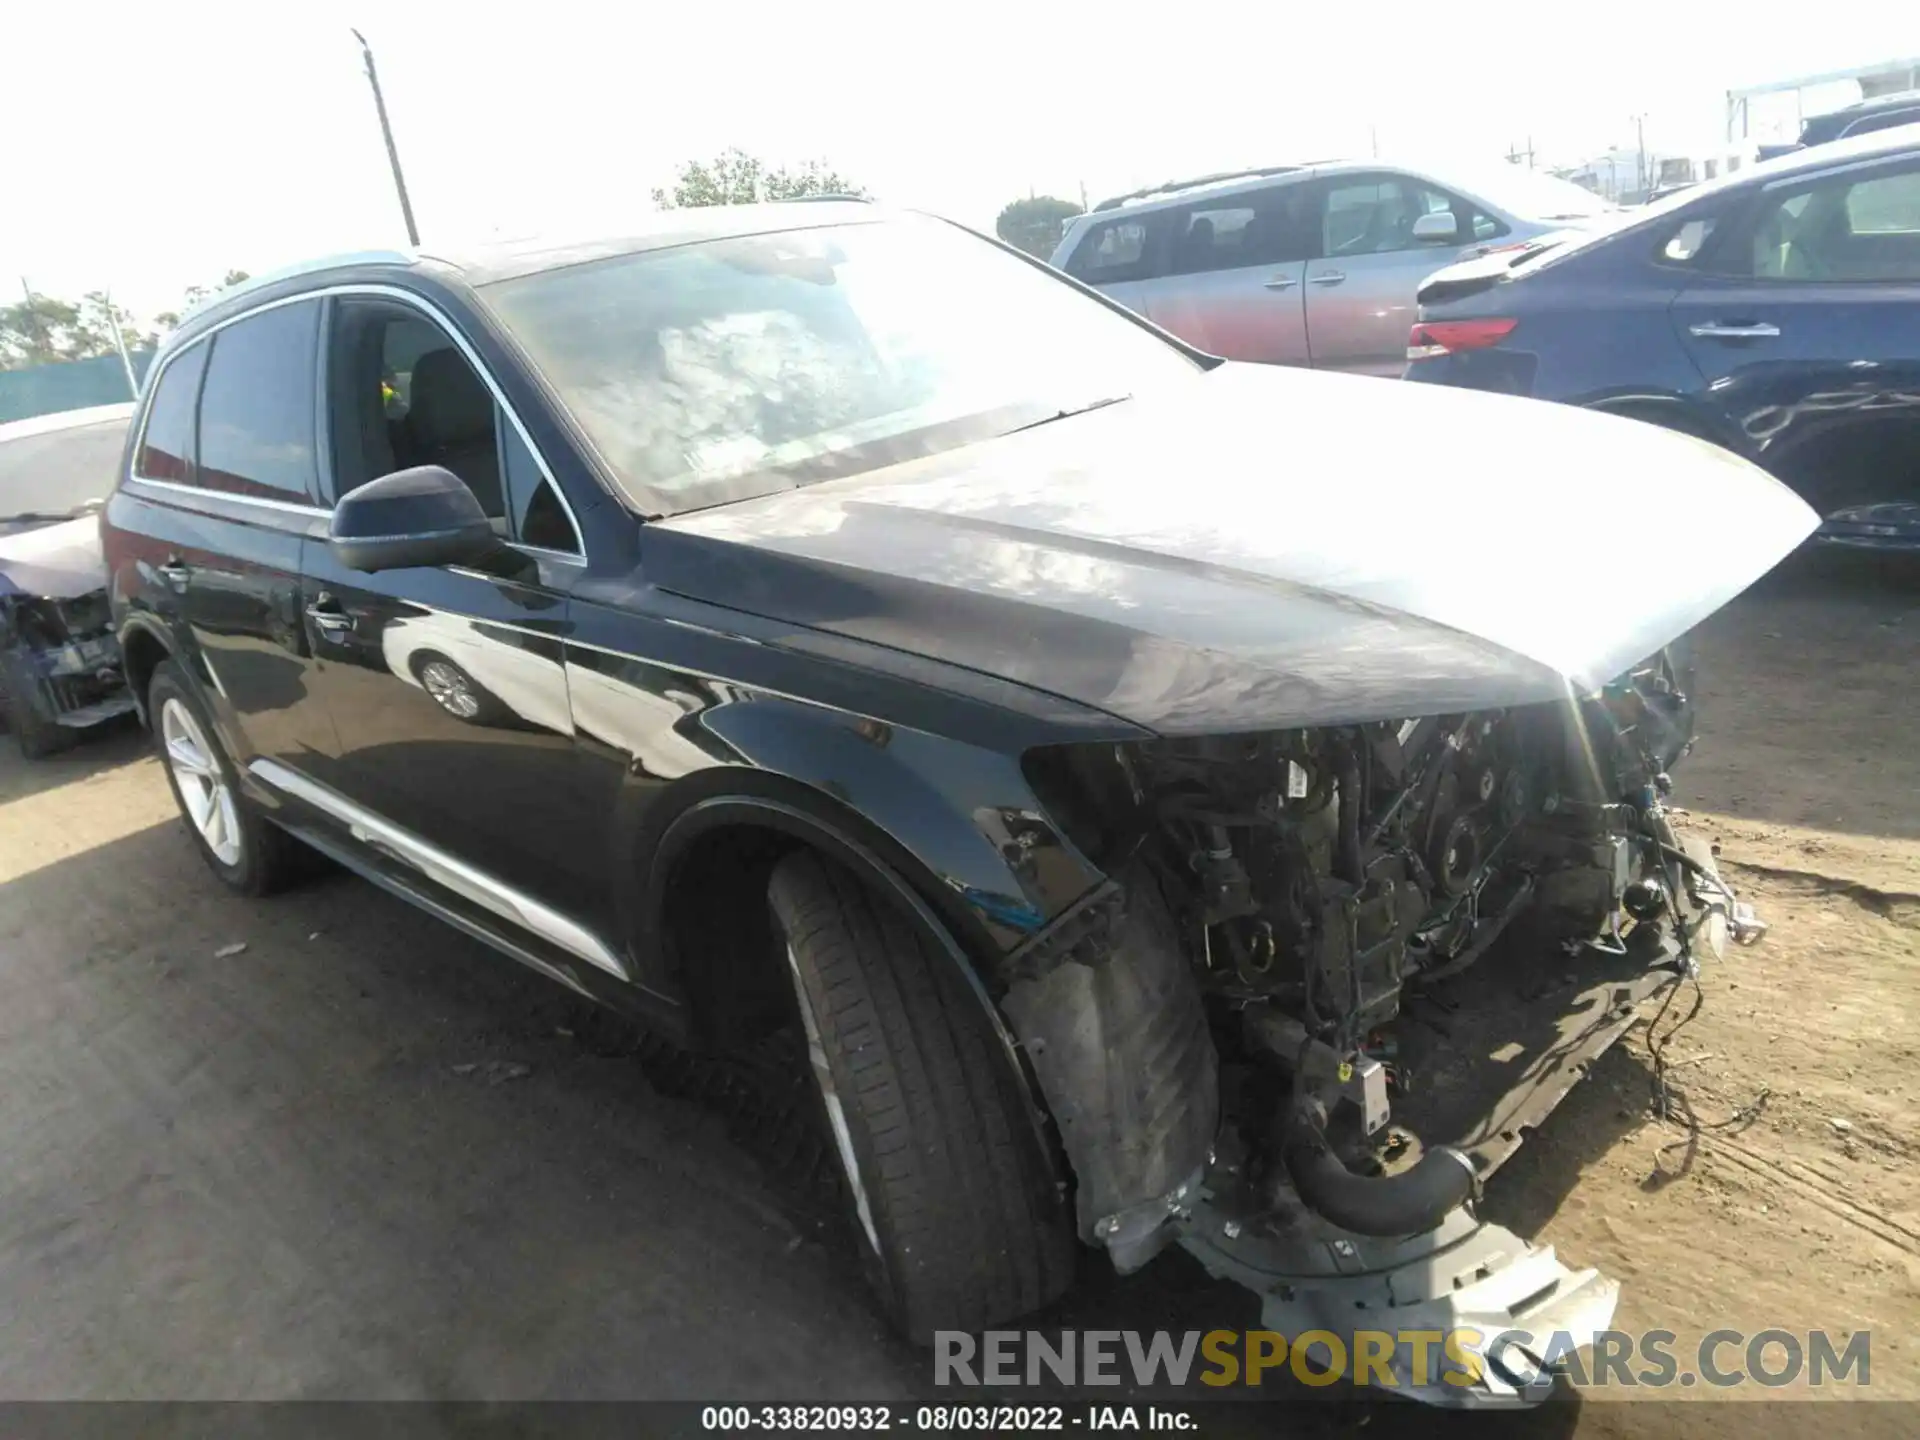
[1409, 1203]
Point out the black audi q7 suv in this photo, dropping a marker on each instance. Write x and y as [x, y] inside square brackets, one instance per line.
[1103, 761]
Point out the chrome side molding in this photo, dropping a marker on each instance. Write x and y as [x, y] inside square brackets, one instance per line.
[443, 869]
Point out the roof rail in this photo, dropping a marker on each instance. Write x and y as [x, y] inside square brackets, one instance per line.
[804, 199]
[1215, 179]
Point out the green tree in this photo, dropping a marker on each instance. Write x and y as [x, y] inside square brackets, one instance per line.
[736, 178]
[197, 294]
[38, 330]
[1035, 224]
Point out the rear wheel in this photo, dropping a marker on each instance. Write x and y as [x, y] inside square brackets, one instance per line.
[956, 1216]
[248, 852]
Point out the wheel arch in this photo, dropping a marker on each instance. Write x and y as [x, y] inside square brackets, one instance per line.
[144, 645]
[694, 874]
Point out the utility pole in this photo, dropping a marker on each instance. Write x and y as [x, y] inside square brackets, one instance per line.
[120, 344]
[1640, 165]
[39, 326]
[386, 133]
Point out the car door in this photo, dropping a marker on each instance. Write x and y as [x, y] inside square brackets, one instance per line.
[220, 508]
[1805, 335]
[447, 686]
[1234, 271]
[1367, 265]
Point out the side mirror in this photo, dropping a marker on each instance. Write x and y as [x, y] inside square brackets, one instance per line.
[1439, 228]
[422, 516]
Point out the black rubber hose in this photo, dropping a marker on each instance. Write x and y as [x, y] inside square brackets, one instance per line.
[1410, 1203]
[1348, 776]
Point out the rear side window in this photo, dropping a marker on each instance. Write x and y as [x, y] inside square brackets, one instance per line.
[1846, 228]
[256, 408]
[1267, 227]
[166, 446]
[1112, 251]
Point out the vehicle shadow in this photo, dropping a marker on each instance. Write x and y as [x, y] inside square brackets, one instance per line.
[105, 747]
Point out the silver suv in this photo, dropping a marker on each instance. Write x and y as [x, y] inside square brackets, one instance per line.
[1312, 264]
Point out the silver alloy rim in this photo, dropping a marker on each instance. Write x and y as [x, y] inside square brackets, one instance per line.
[836, 1113]
[449, 688]
[204, 793]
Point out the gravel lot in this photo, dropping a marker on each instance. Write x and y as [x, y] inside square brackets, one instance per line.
[363, 1157]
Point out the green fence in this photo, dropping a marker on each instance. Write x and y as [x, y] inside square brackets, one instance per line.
[75, 385]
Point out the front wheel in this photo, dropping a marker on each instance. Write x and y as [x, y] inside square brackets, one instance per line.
[248, 852]
[958, 1221]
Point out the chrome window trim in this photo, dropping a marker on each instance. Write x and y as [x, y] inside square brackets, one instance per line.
[385, 292]
[468, 881]
[288, 507]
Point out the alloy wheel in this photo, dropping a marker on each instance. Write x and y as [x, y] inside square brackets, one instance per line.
[450, 689]
[204, 792]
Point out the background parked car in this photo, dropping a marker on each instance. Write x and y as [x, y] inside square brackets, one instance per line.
[1882, 112]
[59, 661]
[1310, 264]
[1776, 313]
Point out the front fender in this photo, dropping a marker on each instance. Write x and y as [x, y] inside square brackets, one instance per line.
[961, 822]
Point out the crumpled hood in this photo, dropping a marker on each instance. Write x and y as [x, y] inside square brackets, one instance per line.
[55, 562]
[1264, 547]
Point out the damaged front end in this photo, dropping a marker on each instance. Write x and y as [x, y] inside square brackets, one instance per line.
[1336, 975]
[60, 666]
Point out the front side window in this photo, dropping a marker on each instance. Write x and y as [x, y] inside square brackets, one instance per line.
[402, 393]
[714, 371]
[166, 445]
[256, 407]
[1846, 228]
[1375, 215]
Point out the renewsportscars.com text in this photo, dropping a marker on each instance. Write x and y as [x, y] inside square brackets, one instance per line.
[1394, 1359]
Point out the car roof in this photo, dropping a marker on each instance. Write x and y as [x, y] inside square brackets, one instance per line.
[1232, 182]
[487, 261]
[65, 420]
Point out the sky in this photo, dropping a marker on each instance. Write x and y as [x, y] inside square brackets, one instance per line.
[149, 151]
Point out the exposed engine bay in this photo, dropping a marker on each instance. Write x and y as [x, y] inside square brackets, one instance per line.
[1338, 972]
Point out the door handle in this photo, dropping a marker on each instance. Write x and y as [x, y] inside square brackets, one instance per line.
[173, 572]
[331, 620]
[1327, 277]
[1716, 330]
[1280, 282]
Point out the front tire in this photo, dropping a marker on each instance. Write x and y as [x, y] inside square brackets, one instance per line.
[250, 854]
[957, 1218]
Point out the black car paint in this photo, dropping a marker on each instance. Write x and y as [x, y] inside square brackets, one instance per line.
[1830, 405]
[901, 765]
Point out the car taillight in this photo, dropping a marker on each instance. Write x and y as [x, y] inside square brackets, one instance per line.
[1430, 338]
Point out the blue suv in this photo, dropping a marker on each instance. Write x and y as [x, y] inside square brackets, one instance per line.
[1775, 312]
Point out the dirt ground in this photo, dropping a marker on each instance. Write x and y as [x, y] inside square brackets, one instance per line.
[363, 1157]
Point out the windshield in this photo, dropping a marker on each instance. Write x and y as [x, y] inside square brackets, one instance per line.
[725, 369]
[1532, 196]
[55, 474]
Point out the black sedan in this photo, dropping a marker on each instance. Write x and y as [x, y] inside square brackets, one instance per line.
[1775, 312]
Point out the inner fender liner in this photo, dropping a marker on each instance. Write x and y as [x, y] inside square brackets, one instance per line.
[1118, 1041]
